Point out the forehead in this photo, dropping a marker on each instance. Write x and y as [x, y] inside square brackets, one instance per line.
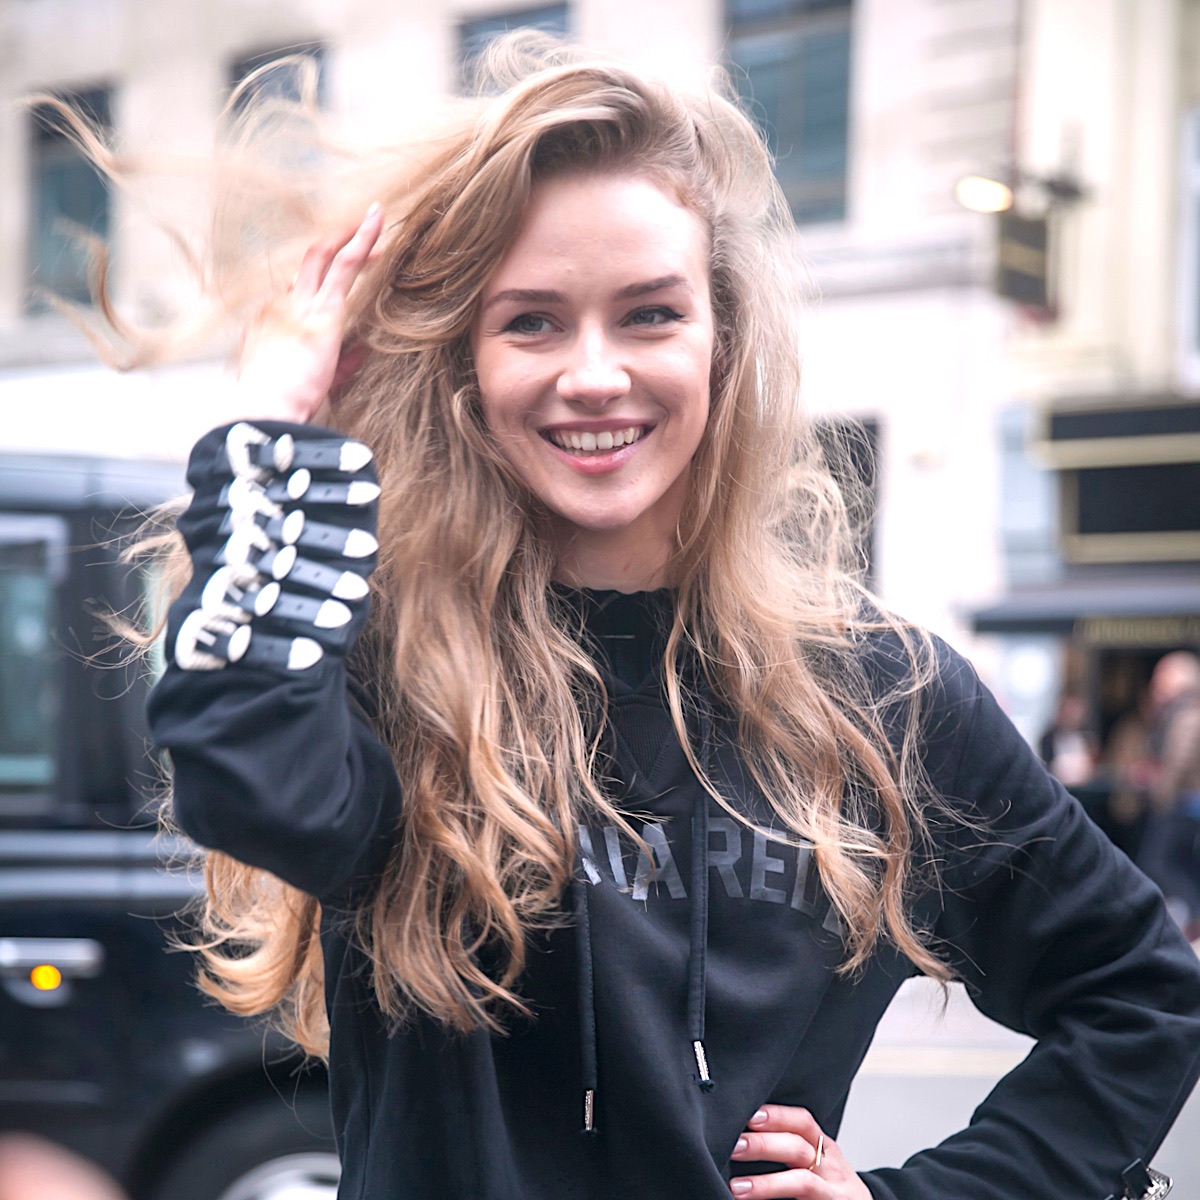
[606, 221]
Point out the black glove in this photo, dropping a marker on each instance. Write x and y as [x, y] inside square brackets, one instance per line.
[281, 529]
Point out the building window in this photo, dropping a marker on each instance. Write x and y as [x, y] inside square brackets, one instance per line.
[32, 567]
[476, 33]
[1028, 504]
[1189, 276]
[70, 202]
[286, 81]
[1128, 477]
[791, 62]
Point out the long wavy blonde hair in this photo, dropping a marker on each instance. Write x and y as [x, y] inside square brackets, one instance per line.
[482, 690]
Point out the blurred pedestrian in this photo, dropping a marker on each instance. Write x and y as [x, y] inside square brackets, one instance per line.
[1171, 846]
[1068, 747]
[1126, 769]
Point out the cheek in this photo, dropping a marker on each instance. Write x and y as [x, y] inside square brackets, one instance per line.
[504, 422]
[701, 390]
[502, 414]
[506, 391]
[492, 390]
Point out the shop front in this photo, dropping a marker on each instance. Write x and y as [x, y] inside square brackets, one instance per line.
[1128, 588]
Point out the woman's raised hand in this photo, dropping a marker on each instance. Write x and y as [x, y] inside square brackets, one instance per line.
[815, 1168]
[292, 354]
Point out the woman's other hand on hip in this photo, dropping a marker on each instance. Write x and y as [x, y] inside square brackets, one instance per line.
[815, 1169]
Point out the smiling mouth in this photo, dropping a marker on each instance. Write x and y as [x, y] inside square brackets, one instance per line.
[575, 442]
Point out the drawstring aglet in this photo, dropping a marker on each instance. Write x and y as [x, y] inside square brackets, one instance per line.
[706, 1081]
[589, 1112]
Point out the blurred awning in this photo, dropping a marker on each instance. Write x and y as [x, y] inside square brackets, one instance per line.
[1135, 607]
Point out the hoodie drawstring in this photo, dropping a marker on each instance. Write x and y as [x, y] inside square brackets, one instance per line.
[698, 948]
[697, 979]
[697, 970]
[587, 1002]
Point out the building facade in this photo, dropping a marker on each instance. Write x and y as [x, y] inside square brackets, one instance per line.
[1100, 432]
[876, 110]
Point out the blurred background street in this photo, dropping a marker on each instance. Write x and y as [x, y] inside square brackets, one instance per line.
[998, 215]
[929, 1069]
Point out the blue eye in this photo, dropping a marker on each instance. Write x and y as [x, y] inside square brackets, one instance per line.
[660, 314]
[528, 323]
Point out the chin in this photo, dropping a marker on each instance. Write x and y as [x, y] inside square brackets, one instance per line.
[599, 523]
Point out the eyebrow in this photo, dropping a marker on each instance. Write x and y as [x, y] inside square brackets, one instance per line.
[544, 296]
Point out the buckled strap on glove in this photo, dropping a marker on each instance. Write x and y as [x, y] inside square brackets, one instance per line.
[1143, 1183]
[255, 600]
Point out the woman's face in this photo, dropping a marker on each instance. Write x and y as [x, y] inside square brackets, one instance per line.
[592, 347]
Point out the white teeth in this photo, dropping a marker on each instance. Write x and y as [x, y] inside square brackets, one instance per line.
[590, 443]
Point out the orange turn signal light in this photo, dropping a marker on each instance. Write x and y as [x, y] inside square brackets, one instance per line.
[46, 977]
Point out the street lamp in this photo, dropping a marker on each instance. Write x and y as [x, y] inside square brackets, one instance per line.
[1024, 205]
[983, 195]
[1015, 187]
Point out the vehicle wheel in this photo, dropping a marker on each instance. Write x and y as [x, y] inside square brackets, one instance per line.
[267, 1150]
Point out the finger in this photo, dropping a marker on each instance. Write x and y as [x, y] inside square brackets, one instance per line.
[352, 256]
[789, 1148]
[319, 257]
[315, 264]
[795, 1185]
[785, 1118]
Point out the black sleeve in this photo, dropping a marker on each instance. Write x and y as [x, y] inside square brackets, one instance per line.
[1057, 935]
[273, 761]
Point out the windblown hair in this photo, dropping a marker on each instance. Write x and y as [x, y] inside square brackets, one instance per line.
[484, 694]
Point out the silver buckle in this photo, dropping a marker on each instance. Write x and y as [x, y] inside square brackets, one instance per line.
[1160, 1185]
[1143, 1183]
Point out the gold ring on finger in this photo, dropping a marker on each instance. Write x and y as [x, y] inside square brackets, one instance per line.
[819, 1153]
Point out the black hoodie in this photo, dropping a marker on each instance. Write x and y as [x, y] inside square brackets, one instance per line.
[684, 992]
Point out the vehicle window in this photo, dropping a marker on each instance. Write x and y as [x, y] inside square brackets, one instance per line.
[32, 568]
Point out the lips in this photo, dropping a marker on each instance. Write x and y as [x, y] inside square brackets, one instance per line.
[587, 441]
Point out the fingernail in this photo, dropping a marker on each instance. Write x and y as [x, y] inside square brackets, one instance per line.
[759, 1117]
[739, 1187]
[375, 207]
[740, 1146]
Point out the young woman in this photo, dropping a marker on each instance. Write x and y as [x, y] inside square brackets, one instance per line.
[592, 836]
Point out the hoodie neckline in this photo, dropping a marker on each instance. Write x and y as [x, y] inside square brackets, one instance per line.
[625, 632]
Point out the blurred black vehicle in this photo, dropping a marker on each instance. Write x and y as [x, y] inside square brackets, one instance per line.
[106, 1046]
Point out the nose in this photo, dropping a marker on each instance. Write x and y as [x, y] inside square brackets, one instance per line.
[592, 374]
